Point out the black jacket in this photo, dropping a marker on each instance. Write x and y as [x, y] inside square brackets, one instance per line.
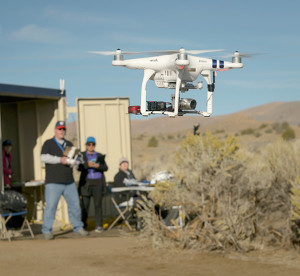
[84, 170]
[57, 173]
[120, 176]
[119, 182]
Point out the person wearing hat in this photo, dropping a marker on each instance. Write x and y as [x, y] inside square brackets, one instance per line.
[92, 182]
[7, 163]
[59, 182]
[123, 174]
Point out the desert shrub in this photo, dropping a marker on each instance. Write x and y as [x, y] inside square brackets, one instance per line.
[288, 134]
[295, 208]
[269, 130]
[220, 131]
[247, 131]
[210, 188]
[153, 142]
[263, 126]
[233, 198]
[273, 203]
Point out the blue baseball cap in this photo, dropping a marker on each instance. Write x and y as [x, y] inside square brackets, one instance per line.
[91, 139]
[60, 124]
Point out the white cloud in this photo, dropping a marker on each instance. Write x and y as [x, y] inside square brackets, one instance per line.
[34, 33]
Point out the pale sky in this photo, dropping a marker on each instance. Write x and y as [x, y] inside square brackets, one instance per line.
[44, 41]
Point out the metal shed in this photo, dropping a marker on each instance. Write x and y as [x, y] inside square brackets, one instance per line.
[27, 118]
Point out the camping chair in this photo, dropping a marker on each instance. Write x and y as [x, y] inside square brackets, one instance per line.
[124, 209]
[5, 217]
[125, 212]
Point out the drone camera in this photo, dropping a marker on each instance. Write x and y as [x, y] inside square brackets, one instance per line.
[156, 106]
[187, 104]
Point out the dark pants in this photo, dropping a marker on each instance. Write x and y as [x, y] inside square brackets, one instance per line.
[87, 192]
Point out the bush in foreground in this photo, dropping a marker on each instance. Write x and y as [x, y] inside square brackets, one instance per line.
[232, 198]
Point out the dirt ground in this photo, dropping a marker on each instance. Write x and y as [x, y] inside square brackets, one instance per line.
[115, 253]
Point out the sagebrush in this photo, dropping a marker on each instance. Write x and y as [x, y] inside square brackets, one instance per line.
[232, 198]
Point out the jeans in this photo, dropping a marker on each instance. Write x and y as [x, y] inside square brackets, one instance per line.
[53, 192]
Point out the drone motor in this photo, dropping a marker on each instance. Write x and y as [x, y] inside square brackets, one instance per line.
[118, 55]
[236, 57]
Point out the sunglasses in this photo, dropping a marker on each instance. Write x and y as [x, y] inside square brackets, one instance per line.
[62, 129]
[90, 144]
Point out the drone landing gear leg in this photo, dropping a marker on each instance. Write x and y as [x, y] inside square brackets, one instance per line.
[148, 73]
[177, 92]
[210, 90]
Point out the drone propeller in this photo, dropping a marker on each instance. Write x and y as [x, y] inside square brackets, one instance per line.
[197, 52]
[245, 55]
[167, 52]
[181, 51]
[111, 53]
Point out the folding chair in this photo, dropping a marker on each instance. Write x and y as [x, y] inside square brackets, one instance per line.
[4, 218]
[125, 209]
[125, 214]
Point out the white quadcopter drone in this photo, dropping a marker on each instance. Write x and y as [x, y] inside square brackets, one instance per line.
[175, 69]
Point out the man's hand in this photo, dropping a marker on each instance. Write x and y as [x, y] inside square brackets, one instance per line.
[91, 164]
[64, 160]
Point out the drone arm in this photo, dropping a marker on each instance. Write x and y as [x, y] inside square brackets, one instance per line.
[148, 73]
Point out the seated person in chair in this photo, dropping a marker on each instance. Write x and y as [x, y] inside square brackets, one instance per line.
[123, 174]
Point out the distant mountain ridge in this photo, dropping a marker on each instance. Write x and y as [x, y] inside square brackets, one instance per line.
[272, 112]
[275, 112]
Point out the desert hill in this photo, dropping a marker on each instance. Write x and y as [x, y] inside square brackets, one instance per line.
[273, 112]
[255, 128]
[155, 140]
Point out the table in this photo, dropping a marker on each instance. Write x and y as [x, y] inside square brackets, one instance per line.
[132, 188]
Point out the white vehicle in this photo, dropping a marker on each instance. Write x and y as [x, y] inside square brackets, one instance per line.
[175, 69]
